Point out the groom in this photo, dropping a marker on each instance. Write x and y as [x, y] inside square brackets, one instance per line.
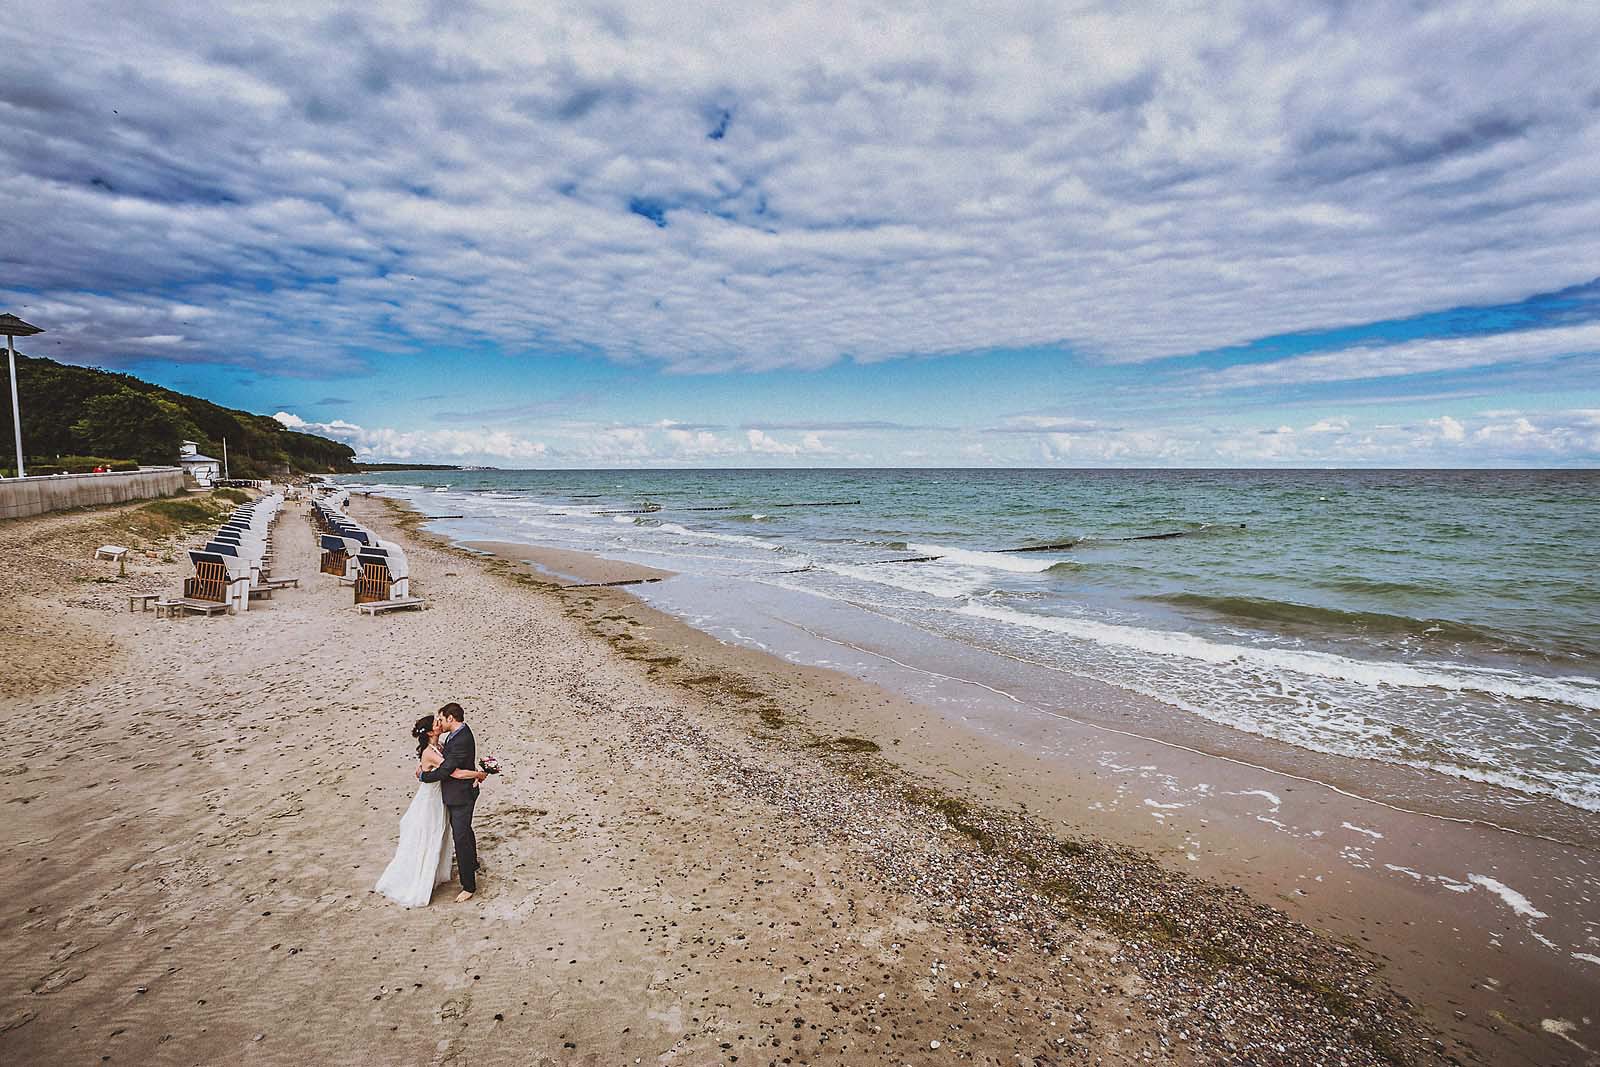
[460, 794]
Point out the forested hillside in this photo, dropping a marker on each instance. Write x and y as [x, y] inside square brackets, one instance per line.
[78, 411]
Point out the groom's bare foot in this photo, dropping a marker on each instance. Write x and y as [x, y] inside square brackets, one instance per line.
[463, 896]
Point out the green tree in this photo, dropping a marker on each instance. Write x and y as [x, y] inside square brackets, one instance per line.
[132, 425]
[56, 421]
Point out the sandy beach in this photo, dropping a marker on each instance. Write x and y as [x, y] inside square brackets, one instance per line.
[699, 854]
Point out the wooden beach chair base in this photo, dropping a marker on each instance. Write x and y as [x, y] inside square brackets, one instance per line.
[184, 605]
[280, 583]
[378, 607]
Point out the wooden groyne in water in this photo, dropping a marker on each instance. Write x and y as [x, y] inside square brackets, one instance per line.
[1061, 546]
[651, 509]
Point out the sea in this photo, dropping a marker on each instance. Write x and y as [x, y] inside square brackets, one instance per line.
[1444, 620]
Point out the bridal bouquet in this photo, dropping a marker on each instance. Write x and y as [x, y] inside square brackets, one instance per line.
[490, 765]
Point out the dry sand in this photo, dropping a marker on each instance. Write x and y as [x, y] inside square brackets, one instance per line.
[688, 860]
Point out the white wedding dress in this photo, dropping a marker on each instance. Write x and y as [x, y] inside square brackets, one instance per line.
[422, 859]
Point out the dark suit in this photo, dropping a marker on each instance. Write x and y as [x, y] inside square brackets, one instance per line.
[460, 796]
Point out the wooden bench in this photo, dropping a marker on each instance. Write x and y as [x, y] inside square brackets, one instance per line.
[280, 583]
[378, 607]
[143, 600]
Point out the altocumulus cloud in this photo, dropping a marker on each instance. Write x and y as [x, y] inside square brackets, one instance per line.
[1414, 357]
[716, 186]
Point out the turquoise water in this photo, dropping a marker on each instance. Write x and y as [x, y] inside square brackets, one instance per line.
[1444, 619]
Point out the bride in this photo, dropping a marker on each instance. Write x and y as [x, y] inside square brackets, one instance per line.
[422, 859]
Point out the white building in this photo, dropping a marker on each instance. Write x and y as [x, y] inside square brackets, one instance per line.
[203, 469]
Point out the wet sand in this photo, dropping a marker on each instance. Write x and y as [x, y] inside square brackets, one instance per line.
[698, 854]
[567, 569]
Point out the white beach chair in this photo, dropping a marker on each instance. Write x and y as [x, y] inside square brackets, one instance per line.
[385, 576]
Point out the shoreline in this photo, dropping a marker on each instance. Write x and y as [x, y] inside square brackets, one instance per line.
[565, 568]
[1405, 788]
[1097, 705]
[1432, 962]
[1474, 794]
[700, 853]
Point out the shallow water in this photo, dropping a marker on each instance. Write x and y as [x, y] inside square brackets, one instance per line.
[1441, 619]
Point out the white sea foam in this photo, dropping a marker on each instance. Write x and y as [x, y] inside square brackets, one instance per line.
[1374, 834]
[538, 523]
[1314, 716]
[1272, 798]
[994, 561]
[946, 582]
[707, 535]
[1514, 900]
[1314, 664]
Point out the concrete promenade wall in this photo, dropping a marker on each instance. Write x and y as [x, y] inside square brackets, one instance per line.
[33, 496]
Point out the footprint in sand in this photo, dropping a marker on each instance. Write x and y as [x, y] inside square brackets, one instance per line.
[56, 981]
[69, 950]
[21, 1018]
[456, 1007]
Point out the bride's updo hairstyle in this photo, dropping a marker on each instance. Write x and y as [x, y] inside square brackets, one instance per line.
[420, 731]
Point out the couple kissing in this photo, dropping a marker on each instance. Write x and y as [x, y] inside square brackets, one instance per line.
[438, 824]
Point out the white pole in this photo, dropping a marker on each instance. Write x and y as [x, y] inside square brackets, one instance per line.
[225, 457]
[16, 412]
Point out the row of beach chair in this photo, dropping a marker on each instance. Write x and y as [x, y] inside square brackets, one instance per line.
[235, 563]
[377, 569]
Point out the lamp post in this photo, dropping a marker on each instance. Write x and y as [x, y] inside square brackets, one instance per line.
[13, 328]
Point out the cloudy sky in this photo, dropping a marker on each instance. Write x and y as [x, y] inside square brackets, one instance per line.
[619, 234]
